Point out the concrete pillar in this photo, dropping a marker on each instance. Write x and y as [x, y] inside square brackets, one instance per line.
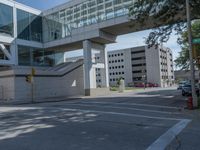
[90, 84]
[89, 71]
[104, 71]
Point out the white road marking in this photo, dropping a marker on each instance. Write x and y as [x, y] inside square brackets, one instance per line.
[135, 104]
[164, 140]
[122, 114]
[127, 108]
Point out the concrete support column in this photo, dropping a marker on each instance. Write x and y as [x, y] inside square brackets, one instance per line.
[104, 71]
[89, 71]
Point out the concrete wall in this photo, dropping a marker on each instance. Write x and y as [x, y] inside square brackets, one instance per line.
[48, 87]
[7, 86]
[47, 84]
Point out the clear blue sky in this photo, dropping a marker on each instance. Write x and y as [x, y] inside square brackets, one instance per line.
[125, 41]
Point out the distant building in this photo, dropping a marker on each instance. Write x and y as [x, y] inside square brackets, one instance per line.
[139, 64]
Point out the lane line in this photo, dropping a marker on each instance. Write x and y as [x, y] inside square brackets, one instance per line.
[121, 114]
[136, 104]
[127, 108]
[164, 140]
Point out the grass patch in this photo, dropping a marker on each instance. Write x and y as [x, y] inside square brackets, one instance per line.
[113, 88]
[126, 88]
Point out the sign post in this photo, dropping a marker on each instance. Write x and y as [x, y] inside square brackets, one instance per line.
[190, 41]
[32, 84]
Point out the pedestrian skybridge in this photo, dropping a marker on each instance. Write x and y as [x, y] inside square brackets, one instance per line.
[76, 20]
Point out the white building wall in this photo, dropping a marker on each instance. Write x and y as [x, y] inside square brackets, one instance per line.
[153, 65]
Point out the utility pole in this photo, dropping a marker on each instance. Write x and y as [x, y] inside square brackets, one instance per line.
[192, 70]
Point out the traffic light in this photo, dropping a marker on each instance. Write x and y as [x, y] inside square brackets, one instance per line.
[28, 79]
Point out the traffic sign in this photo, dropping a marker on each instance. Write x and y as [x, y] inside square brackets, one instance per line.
[196, 41]
[196, 51]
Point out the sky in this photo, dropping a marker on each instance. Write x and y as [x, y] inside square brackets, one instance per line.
[124, 41]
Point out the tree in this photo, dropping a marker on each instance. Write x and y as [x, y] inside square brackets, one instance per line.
[183, 59]
[166, 15]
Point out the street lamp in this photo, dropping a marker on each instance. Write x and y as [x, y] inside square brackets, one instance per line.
[192, 71]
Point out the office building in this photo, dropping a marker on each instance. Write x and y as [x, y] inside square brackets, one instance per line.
[140, 64]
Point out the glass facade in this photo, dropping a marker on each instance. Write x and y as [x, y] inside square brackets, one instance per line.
[6, 20]
[60, 24]
[29, 26]
[55, 26]
[29, 56]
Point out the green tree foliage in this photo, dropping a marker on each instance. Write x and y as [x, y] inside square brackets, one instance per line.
[183, 59]
[169, 13]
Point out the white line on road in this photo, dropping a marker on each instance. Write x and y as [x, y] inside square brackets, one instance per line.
[164, 140]
[135, 104]
[121, 114]
[127, 108]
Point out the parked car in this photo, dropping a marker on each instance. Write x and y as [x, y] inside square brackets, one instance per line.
[180, 86]
[187, 90]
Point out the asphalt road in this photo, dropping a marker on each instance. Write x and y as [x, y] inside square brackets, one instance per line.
[129, 121]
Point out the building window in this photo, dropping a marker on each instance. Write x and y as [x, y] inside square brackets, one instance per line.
[137, 52]
[138, 58]
[138, 65]
[29, 26]
[24, 55]
[6, 19]
[137, 71]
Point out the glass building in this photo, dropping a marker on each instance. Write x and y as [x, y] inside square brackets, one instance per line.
[24, 30]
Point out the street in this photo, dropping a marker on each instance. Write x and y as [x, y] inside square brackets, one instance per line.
[155, 119]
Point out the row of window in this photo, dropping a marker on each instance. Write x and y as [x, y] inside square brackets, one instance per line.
[115, 55]
[116, 67]
[139, 71]
[117, 73]
[115, 79]
[137, 78]
[138, 58]
[137, 52]
[84, 14]
[166, 77]
[162, 63]
[138, 65]
[28, 56]
[115, 61]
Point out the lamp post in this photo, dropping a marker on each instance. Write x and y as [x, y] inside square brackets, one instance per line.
[192, 70]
